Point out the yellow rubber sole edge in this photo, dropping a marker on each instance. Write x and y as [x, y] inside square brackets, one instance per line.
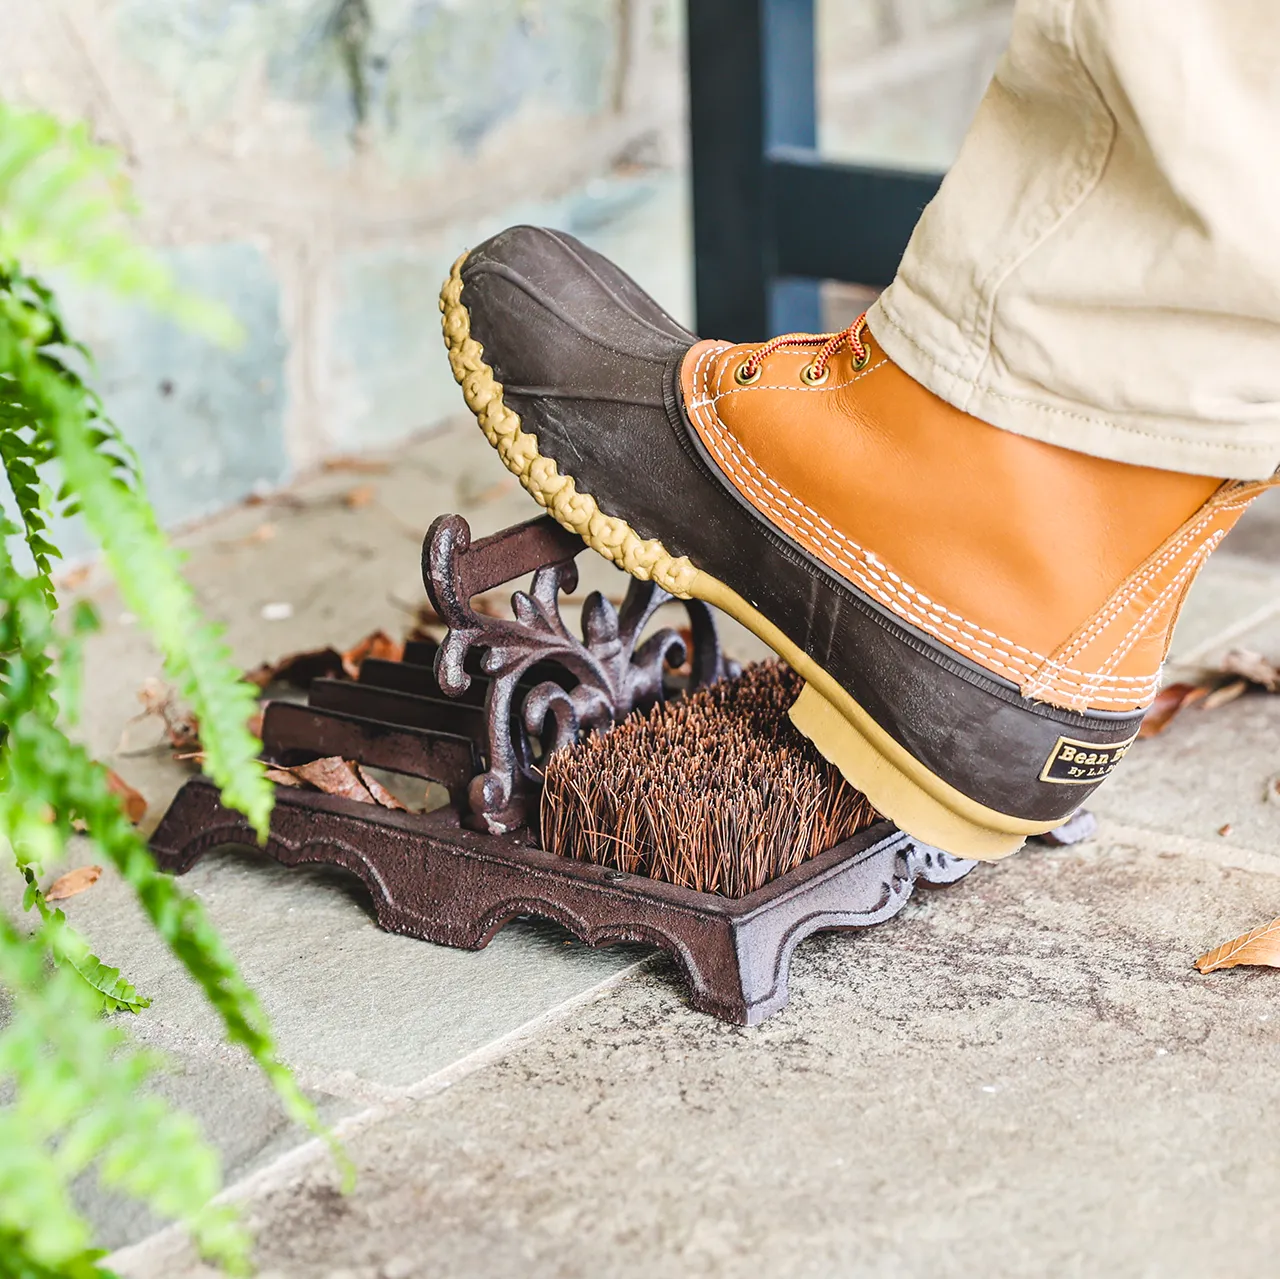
[897, 784]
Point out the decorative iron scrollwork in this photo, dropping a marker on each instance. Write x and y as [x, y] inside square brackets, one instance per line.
[613, 669]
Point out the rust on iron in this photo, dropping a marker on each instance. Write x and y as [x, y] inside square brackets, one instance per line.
[431, 877]
[477, 713]
[614, 670]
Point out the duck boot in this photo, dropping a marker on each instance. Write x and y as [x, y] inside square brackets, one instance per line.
[980, 618]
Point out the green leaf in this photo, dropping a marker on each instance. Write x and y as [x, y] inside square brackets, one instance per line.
[114, 992]
[77, 1083]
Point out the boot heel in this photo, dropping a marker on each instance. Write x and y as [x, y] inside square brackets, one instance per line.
[898, 796]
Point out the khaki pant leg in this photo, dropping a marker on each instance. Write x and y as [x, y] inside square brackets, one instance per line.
[1101, 269]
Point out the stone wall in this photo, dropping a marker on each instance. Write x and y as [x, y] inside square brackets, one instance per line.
[318, 164]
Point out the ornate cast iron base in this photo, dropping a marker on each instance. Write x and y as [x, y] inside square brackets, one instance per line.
[476, 714]
[431, 877]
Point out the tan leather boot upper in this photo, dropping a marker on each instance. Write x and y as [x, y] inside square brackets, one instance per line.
[1058, 571]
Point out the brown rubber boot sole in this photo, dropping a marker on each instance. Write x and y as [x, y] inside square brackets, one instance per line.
[897, 784]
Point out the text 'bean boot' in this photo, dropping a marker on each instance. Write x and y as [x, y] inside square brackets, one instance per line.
[980, 618]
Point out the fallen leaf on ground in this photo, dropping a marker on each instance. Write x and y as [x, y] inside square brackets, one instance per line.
[298, 669]
[1253, 667]
[291, 500]
[134, 805]
[160, 701]
[686, 667]
[379, 792]
[265, 532]
[1169, 701]
[426, 624]
[361, 465]
[377, 644]
[1259, 948]
[335, 776]
[1227, 693]
[74, 578]
[73, 882]
[474, 496]
[489, 605]
[359, 496]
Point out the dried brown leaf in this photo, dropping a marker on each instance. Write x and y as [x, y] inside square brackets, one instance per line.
[283, 777]
[298, 669]
[160, 701]
[132, 802]
[489, 605]
[1253, 667]
[377, 644]
[335, 776]
[1259, 948]
[265, 532]
[73, 882]
[1227, 693]
[686, 667]
[427, 623]
[379, 792]
[359, 465]
[474, 496]
[1169, 702]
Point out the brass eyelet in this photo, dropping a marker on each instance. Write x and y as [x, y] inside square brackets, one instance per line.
[744, 378]
[810, 378]
[859, 365]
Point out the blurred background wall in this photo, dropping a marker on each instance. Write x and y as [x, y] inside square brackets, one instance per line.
[319, 164]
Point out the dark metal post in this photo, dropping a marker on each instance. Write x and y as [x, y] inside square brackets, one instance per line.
[751, 89]
[771, 217]
[790, 120]
[732, 258]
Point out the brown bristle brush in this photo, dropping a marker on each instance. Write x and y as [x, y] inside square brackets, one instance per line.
[716, 791]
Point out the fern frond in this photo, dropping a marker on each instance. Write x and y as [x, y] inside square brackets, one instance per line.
[78, 1102]
[146, 568]
[16, 1263]
[20, 455]
[196, 657]
[66, 203]
[115, 993]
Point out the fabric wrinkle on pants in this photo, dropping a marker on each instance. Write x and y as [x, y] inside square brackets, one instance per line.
[1101, 268]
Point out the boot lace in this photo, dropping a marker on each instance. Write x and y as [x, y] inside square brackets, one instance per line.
[816, 371]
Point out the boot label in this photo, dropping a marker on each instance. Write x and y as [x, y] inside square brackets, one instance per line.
[1073, 763]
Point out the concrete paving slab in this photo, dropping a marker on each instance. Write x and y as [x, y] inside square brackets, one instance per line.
[1019, 964]
[359, 1014]
[235, 1106]
[1021, 1075]
[1207, 776]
